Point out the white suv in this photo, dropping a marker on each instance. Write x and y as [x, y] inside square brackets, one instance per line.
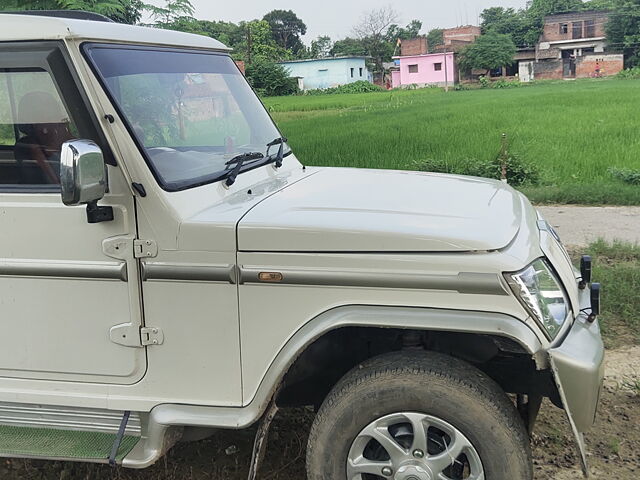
[167, 266]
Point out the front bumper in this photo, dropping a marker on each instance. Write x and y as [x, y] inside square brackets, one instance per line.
[578, 370]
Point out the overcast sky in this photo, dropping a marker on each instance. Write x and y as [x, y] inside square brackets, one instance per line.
[337, 17]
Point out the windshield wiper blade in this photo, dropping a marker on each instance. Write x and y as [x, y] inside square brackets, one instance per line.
[280, 156]
[239, 161]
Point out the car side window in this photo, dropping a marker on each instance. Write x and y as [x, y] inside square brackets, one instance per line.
[42, 105]
[34, 124]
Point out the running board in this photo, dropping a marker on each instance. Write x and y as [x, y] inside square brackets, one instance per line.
[62, 433]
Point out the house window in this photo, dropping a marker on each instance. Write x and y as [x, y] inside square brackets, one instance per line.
[353, 72]
[590, 28]
[577, 29]
[564, 28]
[437, 67]
[413, 68]
[361, 71]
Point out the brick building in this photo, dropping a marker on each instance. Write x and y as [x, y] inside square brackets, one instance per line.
[459, 37]
[414, 46]
[572, 45]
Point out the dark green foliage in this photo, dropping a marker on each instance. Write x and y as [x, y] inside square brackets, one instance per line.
[630, 73]
[355, 87]
[522, 27]
[623, 30]
[270, 79]
[492, 50]
[519, 172]
[348, 47]
[124, 11]
[435, 39]
[627, 175]
[286, 29]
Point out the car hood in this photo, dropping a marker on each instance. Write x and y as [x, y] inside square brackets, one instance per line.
[359, 210]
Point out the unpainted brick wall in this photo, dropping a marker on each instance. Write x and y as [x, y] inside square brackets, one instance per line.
[414, 46]
[548, 70]
[551, 30]
[609, 65]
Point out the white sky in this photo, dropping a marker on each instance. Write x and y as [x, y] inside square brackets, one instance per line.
[337, 17]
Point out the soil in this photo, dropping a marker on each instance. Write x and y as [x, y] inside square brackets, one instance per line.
[579, 226]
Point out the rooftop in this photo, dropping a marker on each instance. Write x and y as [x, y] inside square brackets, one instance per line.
[21, 27]
[346, 57]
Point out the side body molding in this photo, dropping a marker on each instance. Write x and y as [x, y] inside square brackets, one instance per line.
[347, 316]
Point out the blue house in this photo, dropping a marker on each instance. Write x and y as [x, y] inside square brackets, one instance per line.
[328, 72]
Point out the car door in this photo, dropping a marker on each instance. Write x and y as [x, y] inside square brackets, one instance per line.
[64, 283]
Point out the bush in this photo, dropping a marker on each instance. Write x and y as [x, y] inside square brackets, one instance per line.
[484, 81]
[360, 86]
[630, 73]
[519, 172]
[506, 84]
[270, 79]
[627, 175]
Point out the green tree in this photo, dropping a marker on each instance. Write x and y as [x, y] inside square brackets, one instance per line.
[519, 24]
[172, 10]
[286, 29]
[412, 30]
[623, 30]
[490, 51]
[320, 47]
[542, 8]
[257, 43]
[270, 79]
[348, 47]
[435, 39]
[126, 11]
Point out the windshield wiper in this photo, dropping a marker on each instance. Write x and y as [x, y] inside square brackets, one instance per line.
[239, 161]
[280, 156]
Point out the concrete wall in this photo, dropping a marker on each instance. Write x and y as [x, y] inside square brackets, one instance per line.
[427, 73]
[328, 72]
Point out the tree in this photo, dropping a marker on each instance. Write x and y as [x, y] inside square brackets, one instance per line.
[372, 32]
[257, 43]
[172, 10]
[435, 39]
[286, 29]
[321, 47]
[490, 51]
[412, 30]
[623, 30]
[118, 10]
[348, 47]
[542, 8]
[270, 79]
[519, 24]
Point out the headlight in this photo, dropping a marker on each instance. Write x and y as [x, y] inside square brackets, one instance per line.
[542, 295]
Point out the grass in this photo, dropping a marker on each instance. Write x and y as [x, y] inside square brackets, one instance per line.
[617, 268]
[573, 131]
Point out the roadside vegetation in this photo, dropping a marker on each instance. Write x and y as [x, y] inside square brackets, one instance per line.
[617, 268]
[577, 140]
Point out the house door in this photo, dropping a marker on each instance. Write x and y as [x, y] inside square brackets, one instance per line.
[568, 64]
[60, 293]
[526, 71]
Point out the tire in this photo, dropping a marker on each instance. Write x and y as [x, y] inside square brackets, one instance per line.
[428, 389]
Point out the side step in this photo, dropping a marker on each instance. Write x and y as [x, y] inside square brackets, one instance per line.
[62, 433]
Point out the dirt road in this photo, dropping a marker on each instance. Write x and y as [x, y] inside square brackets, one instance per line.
[580, 226]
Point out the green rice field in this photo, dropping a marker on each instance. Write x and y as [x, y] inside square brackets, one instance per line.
[573, 131]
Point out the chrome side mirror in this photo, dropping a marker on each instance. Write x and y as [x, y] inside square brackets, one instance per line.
[83, 179]
[82, 173]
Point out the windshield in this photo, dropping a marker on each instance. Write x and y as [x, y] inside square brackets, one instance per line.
[190, 111]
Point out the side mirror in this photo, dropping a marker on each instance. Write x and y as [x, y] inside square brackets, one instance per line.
[82, 173]
[83, 178]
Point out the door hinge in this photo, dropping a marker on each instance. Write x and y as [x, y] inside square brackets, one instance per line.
[151, 336]
[145, 248]
[129, 335]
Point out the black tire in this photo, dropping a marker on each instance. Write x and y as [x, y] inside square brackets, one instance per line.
[424, 382]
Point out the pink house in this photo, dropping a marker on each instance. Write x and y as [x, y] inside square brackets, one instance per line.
[421, 70]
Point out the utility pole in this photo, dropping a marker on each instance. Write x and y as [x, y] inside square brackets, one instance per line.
[446, 72]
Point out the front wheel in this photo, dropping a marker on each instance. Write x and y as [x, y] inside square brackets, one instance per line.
[418, 416]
